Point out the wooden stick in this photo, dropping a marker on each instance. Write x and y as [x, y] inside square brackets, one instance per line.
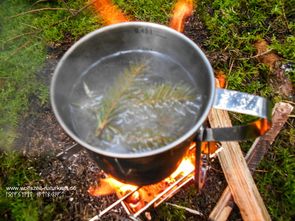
[192, 211]
[18, 49]
[257, 151]
[258, 55]
[237, 174]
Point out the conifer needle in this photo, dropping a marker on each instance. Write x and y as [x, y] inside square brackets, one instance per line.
[110, 103]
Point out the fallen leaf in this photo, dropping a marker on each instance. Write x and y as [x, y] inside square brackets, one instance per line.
[269, 58]
[278, 79]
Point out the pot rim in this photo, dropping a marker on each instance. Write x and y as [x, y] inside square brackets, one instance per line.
[159, 150]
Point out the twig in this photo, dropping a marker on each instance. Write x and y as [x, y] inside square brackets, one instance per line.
[231, 66]
[229, 71]
[40, 9]
[285, 18]
[21, 35]
[67, 6]
[258, 55]
[18, 49]
[74, 15]
[40, 1]
[97, 217]
[77, 12]
[85, 6]
[31, 26]
[290, 102]
[261, 171]
[186, 209]
[216, 170]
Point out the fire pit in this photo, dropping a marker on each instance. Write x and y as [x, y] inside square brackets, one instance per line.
[137, 199]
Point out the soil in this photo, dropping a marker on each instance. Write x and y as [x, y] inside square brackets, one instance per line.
[43, 138]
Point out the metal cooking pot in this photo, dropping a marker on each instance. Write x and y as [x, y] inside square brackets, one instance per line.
[152, 166]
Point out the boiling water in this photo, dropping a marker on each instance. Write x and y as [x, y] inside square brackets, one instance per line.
[136, 125]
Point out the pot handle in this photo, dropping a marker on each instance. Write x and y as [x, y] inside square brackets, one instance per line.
[244, 103]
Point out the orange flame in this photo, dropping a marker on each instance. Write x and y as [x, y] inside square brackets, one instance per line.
[182, 10]
[145, 194]
[185, 167]
[109, 186]
[221, 77]
[262, 126]
[110, 13]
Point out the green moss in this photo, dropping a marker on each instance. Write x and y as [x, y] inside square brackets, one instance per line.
[19, 59]
[168, 213]
[147, 10]
[19, 171]
[286, 48]
[277, 180]
[233, 27]
[60, 25]
[23, 42]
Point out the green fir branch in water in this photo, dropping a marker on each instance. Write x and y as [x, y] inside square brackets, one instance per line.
[145, 138]
[165, 93]
[110, 106]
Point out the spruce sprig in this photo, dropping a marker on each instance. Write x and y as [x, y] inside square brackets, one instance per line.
[165, 93]
[110, 106]
[146, 138]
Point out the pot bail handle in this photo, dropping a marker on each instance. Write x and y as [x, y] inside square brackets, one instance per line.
[243, 103]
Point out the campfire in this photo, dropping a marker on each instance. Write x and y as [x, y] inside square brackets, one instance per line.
[136, 200]
[194, 164]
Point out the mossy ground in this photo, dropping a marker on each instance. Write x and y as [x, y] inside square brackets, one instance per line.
[232, 28]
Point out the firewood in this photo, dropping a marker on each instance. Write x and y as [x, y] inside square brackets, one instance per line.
[237, 173]
[257, 151]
